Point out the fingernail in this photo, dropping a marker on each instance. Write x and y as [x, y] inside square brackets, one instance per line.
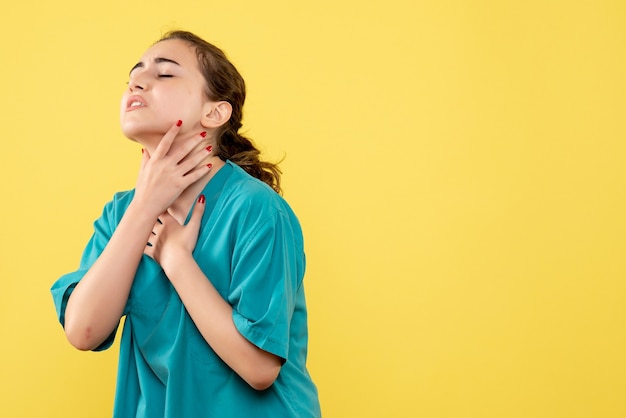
[209, 148]
[209, 165]
[203, 134]
[180, 122]
[201, 199]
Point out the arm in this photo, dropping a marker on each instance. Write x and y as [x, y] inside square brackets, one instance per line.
[97, 303]
[172, 247]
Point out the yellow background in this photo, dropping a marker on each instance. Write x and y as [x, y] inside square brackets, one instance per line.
[458, 168]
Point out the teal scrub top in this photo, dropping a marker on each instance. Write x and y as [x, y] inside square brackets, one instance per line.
[250, 246]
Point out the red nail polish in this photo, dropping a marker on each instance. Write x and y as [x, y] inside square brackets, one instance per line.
[180, 122]
[209, 148]
[209, 165]
[201, 199]
[203, 134]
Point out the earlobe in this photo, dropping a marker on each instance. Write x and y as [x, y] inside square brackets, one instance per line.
[216, 114]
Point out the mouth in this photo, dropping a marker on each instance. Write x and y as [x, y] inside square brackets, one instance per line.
[135, 102]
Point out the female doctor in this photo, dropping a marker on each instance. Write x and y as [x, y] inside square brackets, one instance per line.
[203, 257]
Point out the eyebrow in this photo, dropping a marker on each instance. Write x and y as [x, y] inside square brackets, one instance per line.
[157, 60]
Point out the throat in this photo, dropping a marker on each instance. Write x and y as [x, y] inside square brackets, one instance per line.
[183, 204]
[179, 211]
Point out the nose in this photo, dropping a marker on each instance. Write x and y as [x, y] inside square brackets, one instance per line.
[138, 80]
[135, 84]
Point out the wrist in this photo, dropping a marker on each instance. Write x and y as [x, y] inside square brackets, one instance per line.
[143, 210]
[175, 263]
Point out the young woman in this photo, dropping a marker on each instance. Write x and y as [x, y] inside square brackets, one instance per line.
[203, 257]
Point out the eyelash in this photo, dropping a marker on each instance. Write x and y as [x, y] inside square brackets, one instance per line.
[160, 76]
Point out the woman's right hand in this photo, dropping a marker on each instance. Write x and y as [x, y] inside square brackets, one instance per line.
[165, 174]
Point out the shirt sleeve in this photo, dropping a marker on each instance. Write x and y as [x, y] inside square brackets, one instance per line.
[268, 267]
[64, 286]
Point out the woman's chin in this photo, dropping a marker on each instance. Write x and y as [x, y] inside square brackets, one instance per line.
[142, 135]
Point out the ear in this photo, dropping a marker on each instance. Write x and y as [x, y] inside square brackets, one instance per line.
[215, 114]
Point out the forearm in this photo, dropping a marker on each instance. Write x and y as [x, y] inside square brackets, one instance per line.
[97, 303]
[212, 316]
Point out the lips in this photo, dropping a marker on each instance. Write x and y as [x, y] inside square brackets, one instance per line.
[135, 102]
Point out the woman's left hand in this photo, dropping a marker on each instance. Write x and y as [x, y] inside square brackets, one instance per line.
[171, 241]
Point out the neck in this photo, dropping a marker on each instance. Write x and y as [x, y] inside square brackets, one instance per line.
[182, 205]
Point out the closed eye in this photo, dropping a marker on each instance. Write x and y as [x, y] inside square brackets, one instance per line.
[165, 76]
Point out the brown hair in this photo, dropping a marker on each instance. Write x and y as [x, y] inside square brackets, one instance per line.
[224, 83]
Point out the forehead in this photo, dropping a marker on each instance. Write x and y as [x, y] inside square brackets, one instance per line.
[173, 49]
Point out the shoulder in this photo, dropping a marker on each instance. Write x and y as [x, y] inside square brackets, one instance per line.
[114, 209]
[253, 202]
[251, 192]
[123, 197]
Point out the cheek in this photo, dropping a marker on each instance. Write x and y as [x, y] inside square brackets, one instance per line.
[186, 104]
